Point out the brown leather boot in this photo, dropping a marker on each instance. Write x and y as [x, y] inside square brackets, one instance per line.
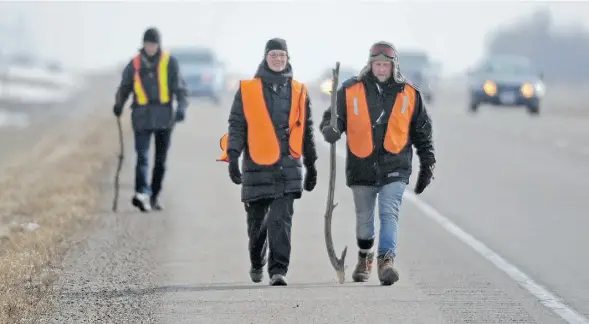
[387, 274]
[363, 267]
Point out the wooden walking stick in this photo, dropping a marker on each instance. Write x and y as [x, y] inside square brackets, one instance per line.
[120, 165]
[338, 264]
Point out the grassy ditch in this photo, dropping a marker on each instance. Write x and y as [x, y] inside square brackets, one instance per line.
[55, 185]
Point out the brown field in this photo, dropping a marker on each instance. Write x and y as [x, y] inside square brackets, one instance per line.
[55, 184]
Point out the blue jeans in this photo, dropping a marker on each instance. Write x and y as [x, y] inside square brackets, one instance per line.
[390, 197]
[142, 144]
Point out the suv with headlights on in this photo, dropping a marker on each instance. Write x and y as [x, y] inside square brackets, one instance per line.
[505, 80]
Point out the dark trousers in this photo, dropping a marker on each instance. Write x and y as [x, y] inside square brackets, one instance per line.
[142, 144]
[275, 233]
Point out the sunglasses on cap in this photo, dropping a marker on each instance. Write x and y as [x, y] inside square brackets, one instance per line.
[383, 49]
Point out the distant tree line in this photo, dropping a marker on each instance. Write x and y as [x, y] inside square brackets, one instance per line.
[561, 54]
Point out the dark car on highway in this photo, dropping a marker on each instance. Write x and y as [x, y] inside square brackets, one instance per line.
[203, 73]
[505, 80]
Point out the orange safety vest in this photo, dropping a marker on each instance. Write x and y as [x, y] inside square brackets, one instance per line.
[359, 127]
[263, 143]
[162, 75]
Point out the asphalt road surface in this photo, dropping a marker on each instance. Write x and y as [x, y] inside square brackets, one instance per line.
[499, 237]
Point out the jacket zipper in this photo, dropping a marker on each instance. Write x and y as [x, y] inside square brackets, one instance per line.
[376, 146]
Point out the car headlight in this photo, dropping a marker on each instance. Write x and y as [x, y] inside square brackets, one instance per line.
[527, 90]
[540, 89]
[326, 86]
[490, 88]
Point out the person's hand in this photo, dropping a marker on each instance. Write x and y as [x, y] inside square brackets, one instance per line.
[426, 174]
[234, 172]
[180, 115]
[325, 119]
[330, 134]
[117, 110]
[310, 178]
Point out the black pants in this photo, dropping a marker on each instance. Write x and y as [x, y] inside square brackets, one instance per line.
[142, 144]
[275, 233]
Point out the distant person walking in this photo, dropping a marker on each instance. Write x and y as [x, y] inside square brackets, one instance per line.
[153, 77]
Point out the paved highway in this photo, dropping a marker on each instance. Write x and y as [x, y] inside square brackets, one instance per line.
[499, 237]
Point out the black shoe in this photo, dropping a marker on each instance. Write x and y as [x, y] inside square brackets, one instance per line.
[256, 274]
[156, 204]
[141, 201]
[278, 280]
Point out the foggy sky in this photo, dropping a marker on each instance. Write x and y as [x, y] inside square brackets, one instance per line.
[99, 34]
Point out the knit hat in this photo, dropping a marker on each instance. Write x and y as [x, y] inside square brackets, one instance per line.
[383, 51]
[152, 35]
[276, 44]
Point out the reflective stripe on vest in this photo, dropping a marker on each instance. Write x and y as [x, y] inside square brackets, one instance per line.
[359, 127]
[263, 144]
[162, 75]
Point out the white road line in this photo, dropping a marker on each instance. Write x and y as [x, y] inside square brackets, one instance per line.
[544, 296]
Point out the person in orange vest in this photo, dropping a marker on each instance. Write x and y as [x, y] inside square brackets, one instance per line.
[383, 116]
[153, 76]
[270, 123]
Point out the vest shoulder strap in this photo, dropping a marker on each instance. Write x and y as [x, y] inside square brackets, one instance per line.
[412, 86]
[137, 62]
[250, 82]
[297, 84]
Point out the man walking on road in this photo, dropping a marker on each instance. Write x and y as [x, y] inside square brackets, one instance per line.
[270, 122]
[153, 76]
[383, 116]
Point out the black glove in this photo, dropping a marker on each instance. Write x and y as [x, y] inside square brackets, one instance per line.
[117, 110]
[234, 172]
[310, 178]
[426, 174]
[330, 134]
[325, 119]
[180, 114]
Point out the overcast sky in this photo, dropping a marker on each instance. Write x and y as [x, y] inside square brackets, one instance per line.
[95, 34]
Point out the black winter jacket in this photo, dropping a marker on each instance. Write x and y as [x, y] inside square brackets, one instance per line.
[383, 167]
[154, 115]
[286, 176]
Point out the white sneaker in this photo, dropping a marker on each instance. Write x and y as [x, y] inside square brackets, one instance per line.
[141, 201]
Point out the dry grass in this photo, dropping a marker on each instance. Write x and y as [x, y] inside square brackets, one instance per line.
[55, 187]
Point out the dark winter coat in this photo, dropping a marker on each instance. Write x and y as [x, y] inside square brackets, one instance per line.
[383, 167]
[286, 176]
[154, 115]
